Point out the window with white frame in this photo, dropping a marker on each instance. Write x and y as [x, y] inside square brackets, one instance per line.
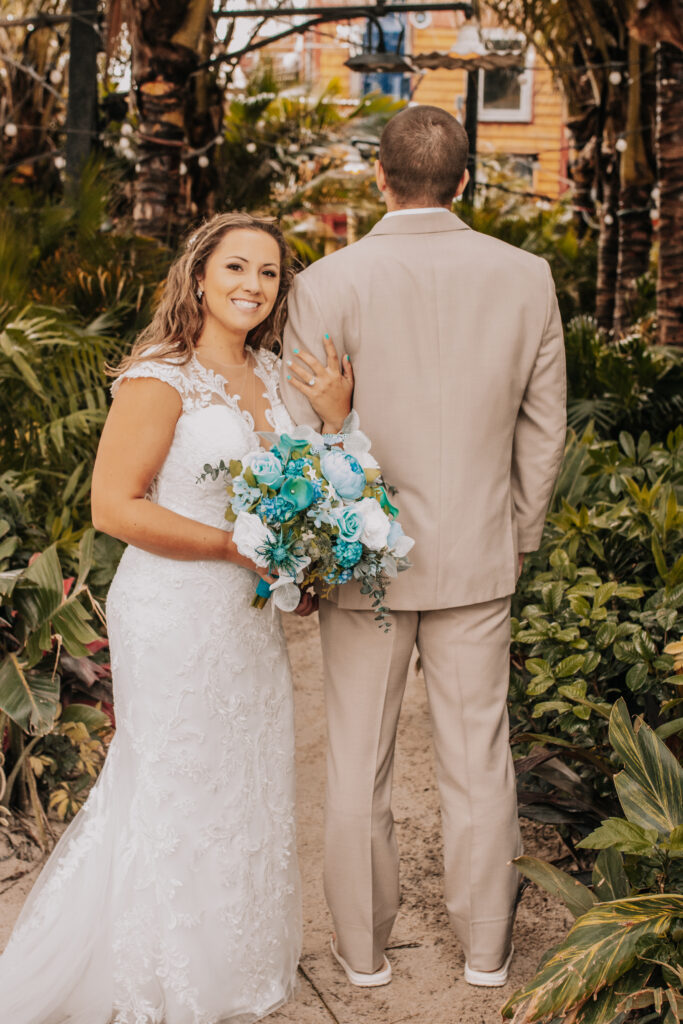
[506, 94]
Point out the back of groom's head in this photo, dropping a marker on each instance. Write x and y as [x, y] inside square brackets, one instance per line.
[423, 152]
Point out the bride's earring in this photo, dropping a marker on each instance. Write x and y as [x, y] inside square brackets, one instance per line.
[200, 294]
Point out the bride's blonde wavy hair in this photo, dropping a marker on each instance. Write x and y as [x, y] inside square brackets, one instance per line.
[179, 318]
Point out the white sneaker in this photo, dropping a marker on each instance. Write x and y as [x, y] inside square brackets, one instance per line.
[489, 979]
[381, 977]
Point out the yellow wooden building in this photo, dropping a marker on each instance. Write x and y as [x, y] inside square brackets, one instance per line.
[521, 116]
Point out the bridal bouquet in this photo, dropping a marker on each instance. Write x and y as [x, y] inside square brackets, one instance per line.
[315, 507]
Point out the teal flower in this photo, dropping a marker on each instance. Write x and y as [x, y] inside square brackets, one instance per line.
[299, 491]
[283, 553]
[276, 510]
[349, 523]
[347, 555]
[288, 446]
[266, 467]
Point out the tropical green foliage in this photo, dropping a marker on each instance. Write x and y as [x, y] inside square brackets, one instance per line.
[622, 960]
[596, 610]
[48, 665]
[630, 384]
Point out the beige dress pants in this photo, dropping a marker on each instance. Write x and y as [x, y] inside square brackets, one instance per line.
[465, 657]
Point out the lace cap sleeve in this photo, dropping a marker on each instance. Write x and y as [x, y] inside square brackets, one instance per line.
[169, 373]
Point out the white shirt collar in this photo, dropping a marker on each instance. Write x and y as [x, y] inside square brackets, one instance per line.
[416, 209]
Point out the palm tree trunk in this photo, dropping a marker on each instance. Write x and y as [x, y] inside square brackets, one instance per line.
[635, 242]
[637, 178]
[608, 244]
[165, 55]
[669, 149]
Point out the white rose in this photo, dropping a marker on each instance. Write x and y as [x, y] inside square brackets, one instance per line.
[249, 534]
[376, 525]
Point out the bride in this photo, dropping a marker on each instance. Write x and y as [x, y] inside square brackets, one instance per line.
[174, 895]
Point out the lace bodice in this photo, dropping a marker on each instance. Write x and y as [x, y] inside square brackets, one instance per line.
[212, 426]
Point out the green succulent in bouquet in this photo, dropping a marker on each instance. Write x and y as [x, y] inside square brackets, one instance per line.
[622, 960]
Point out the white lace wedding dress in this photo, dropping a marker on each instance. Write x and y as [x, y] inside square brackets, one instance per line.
[174, 895]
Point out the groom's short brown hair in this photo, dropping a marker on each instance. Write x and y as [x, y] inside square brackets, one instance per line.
[423, 151]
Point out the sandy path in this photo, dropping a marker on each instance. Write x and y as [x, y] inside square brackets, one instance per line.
[427, 960]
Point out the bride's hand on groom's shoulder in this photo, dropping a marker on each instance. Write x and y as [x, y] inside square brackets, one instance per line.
[328, 388]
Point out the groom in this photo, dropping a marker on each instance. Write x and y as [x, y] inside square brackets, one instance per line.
[456, 344]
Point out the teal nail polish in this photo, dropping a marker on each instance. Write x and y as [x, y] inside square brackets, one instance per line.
[288, 377]
[296, 351]
[327, 336]
[347, 358]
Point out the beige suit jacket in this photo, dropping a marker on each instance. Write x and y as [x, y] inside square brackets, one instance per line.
[456, 343]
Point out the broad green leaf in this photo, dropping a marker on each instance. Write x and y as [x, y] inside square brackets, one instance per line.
[622, 835]
[671, 728]
[579, 605]
[92, 718]
[676, 840]
[598, 950]
[637, 676]
[605, 1008]
[577, 692]
[29, 698]
[605, 635]
[651, 787]
[627, 444]
[8, 546]
[544, 707]
[559, 559]
[630, 592]
[644, 444]
[658, 556]
[46, 611]
[539, 684]
[569, 666]
[538, 667]
[644, 645]
[604, 592]
[596, 545]
[591, 662]
[9, 580]
[71, 622]
[85, 558]
[574, 691]
[577, 897]
[552, 594]
[609, 878]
